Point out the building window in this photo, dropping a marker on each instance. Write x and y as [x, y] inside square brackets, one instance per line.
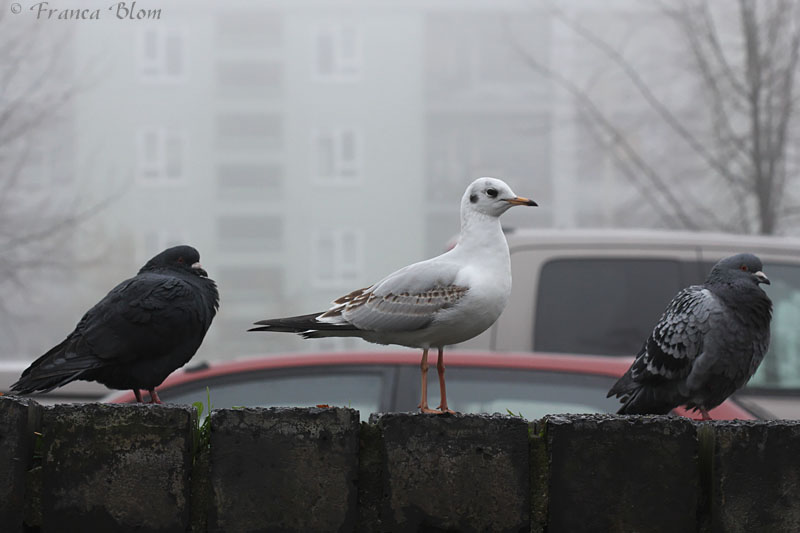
[337, 156]
[162, 54]
[250, 131]
[337, 53]
[255, 79]
[338, 257]
[250, 233]
[161, 156]
[250, 181]
[261, 30]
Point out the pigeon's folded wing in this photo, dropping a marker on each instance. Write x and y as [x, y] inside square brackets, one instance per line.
[144, 317]
[677, 339]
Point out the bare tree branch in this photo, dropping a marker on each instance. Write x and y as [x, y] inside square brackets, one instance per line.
[666, 115]
[741, 130]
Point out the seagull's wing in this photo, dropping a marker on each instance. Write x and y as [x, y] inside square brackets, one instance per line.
[677, 339]
[406, 300]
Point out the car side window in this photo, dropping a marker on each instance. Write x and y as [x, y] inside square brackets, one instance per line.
[781, 366]
[603, 306]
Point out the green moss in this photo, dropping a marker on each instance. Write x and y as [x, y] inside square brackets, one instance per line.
[539, 476]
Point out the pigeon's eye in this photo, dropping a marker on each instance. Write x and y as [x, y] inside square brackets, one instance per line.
[491, 192]
[743, 268]
[180, 260]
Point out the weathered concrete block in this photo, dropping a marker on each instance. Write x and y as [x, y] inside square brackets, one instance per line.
[18, 421]
[454, 473]
[116, 468]
[756, 476]
[611, 473]
[282, 469]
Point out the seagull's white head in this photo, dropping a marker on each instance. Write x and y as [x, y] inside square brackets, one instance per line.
[492, 197]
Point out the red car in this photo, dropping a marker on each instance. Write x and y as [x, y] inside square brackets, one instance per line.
[531, 385]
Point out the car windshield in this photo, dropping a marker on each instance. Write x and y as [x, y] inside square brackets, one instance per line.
[531, 394]
[360, 390]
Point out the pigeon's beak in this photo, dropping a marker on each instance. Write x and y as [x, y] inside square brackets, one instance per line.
[519, 200]
[197, 267]
[762, 278]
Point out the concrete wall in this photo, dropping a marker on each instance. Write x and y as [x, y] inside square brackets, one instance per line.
[149, 468]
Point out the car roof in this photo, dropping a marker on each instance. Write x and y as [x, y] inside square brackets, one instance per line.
[656, 238]
[611, 366]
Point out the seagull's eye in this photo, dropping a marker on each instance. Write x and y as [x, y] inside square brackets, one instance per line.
[743, 268]
[491, 192]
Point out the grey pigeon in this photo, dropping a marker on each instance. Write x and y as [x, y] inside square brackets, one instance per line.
[444, 300]
[146, 327]
[707, 344]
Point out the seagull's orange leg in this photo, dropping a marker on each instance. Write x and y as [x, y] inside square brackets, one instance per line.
[138, 395]
[423, 366]
[154, 396]
[442, 391]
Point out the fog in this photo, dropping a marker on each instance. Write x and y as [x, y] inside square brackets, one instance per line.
[307, 148]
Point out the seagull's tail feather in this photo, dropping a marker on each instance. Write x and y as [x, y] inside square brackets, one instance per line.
[59, 366]
[306, 325]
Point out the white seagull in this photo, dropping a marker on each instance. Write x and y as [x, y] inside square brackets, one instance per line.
[431, 304]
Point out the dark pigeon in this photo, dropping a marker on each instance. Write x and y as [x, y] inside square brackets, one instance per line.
[145, 328]
[707, 344]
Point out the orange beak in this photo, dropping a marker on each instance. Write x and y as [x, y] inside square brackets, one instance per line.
[519, 200]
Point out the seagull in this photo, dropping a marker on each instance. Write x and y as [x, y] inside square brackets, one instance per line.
[142, 330]
[434, 303]
[707, 344]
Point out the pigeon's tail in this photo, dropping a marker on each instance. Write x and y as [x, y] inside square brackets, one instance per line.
[306, 325]
[55, 368]
[641, 399]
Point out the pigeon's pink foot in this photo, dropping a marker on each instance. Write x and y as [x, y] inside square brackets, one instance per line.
[138, 394]
[154, 396]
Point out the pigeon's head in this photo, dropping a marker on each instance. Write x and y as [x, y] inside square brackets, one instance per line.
[739, 267]
[181, 257]
[491, 197]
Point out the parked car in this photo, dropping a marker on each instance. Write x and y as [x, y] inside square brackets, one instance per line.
[530, 385]
[600, 292]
